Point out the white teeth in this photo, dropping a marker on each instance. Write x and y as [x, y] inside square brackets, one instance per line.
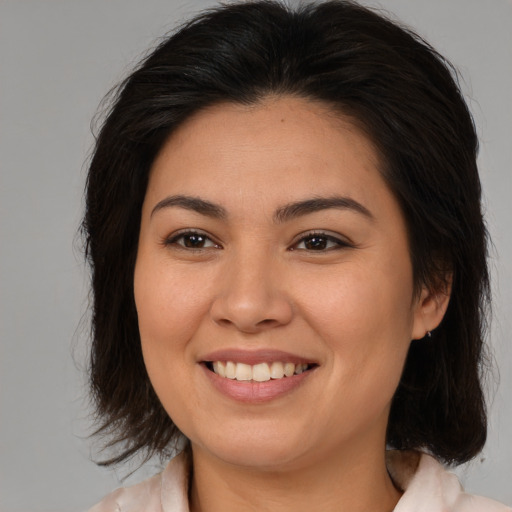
[276, 370]
[261, 372]
[219, 368]
[243, 371]
[230, 370]
[289, 369]
[300, 368]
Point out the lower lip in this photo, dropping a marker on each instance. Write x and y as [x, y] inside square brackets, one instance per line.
[250, 391]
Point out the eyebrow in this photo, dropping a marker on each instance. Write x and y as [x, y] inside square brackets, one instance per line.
[194, 204]
[299, 208]
[282, 214]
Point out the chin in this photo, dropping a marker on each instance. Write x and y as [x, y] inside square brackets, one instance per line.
[258, 458]
[257, 451]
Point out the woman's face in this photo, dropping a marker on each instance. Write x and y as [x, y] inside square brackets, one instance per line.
[273, 285]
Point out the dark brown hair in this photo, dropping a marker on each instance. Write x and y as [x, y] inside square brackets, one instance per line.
[406, 98]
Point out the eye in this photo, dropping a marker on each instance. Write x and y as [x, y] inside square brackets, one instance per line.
[319, 242]
[191, 240]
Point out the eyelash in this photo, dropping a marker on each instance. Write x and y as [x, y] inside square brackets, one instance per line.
[320, 235]
[174, 240]
[338, 242]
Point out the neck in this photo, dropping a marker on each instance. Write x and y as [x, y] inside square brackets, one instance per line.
[356, 480]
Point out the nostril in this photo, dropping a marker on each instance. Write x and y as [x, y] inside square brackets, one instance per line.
[224, 321]
[268, 322]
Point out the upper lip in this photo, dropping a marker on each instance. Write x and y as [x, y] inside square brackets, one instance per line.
[253, 357]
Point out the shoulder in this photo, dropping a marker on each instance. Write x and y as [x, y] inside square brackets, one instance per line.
[165, 492]
[429, 487]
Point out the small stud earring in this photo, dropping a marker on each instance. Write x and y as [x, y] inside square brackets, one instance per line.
[429, 334]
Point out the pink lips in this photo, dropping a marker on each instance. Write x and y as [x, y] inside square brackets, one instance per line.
[250, 391]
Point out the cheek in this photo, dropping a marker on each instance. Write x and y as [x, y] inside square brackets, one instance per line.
[169, 309]
[365, 323]
[168, 303]
[361, 298]
[365, 318]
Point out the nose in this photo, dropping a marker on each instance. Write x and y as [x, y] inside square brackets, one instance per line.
[253, 296]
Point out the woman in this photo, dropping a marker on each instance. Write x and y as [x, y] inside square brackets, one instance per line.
[289, 267]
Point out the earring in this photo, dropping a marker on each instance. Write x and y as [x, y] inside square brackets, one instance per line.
[428, 334]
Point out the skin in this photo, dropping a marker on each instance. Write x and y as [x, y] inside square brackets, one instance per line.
[348, 304]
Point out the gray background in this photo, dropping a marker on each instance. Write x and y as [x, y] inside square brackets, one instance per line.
[57, 59]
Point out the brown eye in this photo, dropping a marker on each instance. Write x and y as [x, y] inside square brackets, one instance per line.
[319, 242]
[192, 240]
[316, 243]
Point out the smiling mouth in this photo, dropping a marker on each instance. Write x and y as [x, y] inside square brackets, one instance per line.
[261, 372]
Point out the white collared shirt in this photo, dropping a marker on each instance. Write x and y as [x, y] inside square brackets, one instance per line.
[427, 486]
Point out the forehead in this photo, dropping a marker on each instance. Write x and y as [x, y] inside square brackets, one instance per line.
[276, 150]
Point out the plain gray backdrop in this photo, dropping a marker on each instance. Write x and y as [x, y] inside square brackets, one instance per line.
[57, 59]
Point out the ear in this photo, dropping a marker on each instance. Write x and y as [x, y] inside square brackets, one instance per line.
[430, 308]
